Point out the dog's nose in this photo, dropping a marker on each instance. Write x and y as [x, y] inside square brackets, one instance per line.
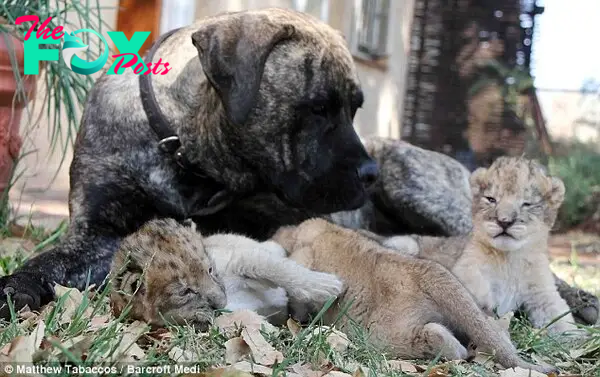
[368, 173]
[505, 224]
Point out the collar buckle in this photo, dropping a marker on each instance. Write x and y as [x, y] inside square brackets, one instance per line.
[169, 144]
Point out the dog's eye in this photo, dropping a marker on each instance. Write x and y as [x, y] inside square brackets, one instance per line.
[210, 270]
[319, 109]
[526, 204]
[490, 199]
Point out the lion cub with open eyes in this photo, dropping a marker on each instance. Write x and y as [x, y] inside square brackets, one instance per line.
[504, 261]
[167, 271]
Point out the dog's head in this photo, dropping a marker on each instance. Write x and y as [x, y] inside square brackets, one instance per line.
[289, 91]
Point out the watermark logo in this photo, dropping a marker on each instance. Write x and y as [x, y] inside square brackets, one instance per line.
[128, 48]
[73, 45]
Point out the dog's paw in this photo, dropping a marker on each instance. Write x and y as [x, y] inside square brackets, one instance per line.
[23, 289]
[319, 288]
[586, 306]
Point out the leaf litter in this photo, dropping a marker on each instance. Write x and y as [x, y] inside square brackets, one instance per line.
[249, 344]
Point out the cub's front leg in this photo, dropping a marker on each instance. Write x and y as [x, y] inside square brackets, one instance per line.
[269, 262]
[544, 306]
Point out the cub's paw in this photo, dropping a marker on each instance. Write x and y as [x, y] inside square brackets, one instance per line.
[24, 289]
[541, 367]
[545, 368]
[318, 288]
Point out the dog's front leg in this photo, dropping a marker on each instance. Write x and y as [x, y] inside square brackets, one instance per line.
[79, 256]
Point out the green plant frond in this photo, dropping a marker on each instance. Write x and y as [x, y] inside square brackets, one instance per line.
[66, 90]
[479, 85]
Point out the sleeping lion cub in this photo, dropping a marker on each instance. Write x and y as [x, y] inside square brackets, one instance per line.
[414, 308]
[168, 271]
[504, 261]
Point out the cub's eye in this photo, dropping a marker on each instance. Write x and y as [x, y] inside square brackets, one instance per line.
[490, 199]
[187, 292]
[526, 204]
[210, 270]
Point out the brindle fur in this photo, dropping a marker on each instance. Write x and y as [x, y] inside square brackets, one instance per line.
[427, 193]
[263, 102]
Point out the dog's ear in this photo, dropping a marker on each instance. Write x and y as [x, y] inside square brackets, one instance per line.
[233, 52]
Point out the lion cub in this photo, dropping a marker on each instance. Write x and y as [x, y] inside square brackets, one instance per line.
[412, 307]
[504, 261]
[168, 271]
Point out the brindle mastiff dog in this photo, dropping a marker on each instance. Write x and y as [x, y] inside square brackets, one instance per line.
[256, 132]
[262, 103]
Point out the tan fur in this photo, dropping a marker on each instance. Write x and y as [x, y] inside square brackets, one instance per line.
[505, 272]
[412, 307]
[164, 272]
[225, 271]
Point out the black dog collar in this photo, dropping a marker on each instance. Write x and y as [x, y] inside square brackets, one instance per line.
[169, 141]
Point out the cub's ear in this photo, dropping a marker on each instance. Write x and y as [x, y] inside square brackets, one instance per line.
[478, 181]
[557, 192]
[233, 52]
[129, 276]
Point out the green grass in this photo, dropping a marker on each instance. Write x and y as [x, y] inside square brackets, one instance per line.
[580, 171]
[89, 335]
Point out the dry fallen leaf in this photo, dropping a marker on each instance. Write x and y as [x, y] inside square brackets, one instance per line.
[235, 350]
[336, 339]
[128, 350]
[5, 349]
[520, 372]
[483, 358]
[326, 366]
[22, 348]
[78, 346]
[99, 322]
[358, 372]
[402, 366]
[337, 373]
[221, 372]
[258, 370]
[180, 355]
[439, 371]
[294, 327]
[305, 370]
[262, 352]
[254, 369]
[71, 303]
[230, 323]
[36, 337]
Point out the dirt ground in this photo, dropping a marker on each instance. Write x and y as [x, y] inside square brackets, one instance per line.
[575, 258]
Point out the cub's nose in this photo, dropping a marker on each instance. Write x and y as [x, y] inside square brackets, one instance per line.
[368, 173]
[505, 224]
[217, 301]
